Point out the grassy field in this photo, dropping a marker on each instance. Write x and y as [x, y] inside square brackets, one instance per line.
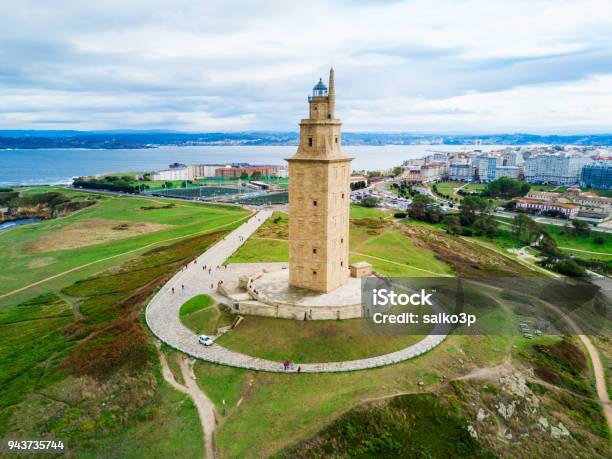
[311, 341]
[583, 247]
[295, 407]
[201, 315]
[107, 234]
[80, 366]
[371, 239]
[449, 188]
[392, 428]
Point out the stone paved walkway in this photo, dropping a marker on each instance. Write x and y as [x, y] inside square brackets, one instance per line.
[162, 314]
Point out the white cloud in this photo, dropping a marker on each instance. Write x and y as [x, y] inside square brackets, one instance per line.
[474, 65]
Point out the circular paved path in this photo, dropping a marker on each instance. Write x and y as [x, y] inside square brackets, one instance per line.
[162, 314]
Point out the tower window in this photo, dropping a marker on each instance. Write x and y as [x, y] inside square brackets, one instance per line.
[314, 251]
[314, 273]
[310, 141]
[342, 195]
[341, 240]
[341, 263]
[314, 203]
[336, 139]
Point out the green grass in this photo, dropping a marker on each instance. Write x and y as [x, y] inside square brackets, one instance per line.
[372, 239]
[22, 267]
[170, 429]
[81, 367]
[268, 412]
[449, 188]
[368, 212]
[413, 425]
[586, 243]
[201, 315]
[391, 253]
[311, 341]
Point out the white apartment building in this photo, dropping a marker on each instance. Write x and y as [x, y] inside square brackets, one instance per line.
[432, 172]
[556, 169]
[461, 171]
[506, 171]
[178, 173]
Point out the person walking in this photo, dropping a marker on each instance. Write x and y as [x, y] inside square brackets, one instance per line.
[173, 290]
[299, 369]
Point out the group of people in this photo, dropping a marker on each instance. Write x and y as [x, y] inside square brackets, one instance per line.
[289, 365]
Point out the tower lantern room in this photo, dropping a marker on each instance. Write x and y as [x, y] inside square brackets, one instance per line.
[320, 90]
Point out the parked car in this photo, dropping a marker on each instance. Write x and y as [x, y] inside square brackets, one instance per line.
[205, 340]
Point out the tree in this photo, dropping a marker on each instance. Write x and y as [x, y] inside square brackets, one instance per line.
[244, 175]
[486, 224]
[370, 202]
[256, 175]
[523, 223]
[168, 184]
[548, 245]
[419, 206]
[424, 209]
[397, 171]
[506, 187]
[471, 207]
[183, 184]
[452, 224]
[599, 240]
[581, 228]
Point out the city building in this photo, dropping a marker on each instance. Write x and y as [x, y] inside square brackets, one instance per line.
[319, 194]
[540, 206]
[597, 174]
[555, 169]
[412, 174]
[434, 171]
[461, 171]
[195, 171]
[175, 173]
[229, 172]
[506, 171]
[549, 196]
[487, 166]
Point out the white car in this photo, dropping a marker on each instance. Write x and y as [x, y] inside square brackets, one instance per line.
[205, 340]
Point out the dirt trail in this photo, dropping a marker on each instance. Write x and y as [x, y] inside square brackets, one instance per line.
[205, 407]
[598, 368]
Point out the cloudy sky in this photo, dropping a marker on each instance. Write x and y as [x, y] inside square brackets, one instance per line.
[444, 66]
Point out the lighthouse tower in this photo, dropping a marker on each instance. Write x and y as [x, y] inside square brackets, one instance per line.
[319, 191]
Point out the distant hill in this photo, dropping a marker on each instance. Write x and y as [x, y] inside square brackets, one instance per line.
[150, 139]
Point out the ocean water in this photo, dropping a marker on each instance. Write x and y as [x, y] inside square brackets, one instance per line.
[52, 166]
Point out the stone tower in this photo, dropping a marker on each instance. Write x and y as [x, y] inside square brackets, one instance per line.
[319, 192]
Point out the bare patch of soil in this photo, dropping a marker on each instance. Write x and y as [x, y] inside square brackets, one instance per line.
[91, 232]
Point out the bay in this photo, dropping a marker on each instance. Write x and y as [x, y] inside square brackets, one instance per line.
[54, 166]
